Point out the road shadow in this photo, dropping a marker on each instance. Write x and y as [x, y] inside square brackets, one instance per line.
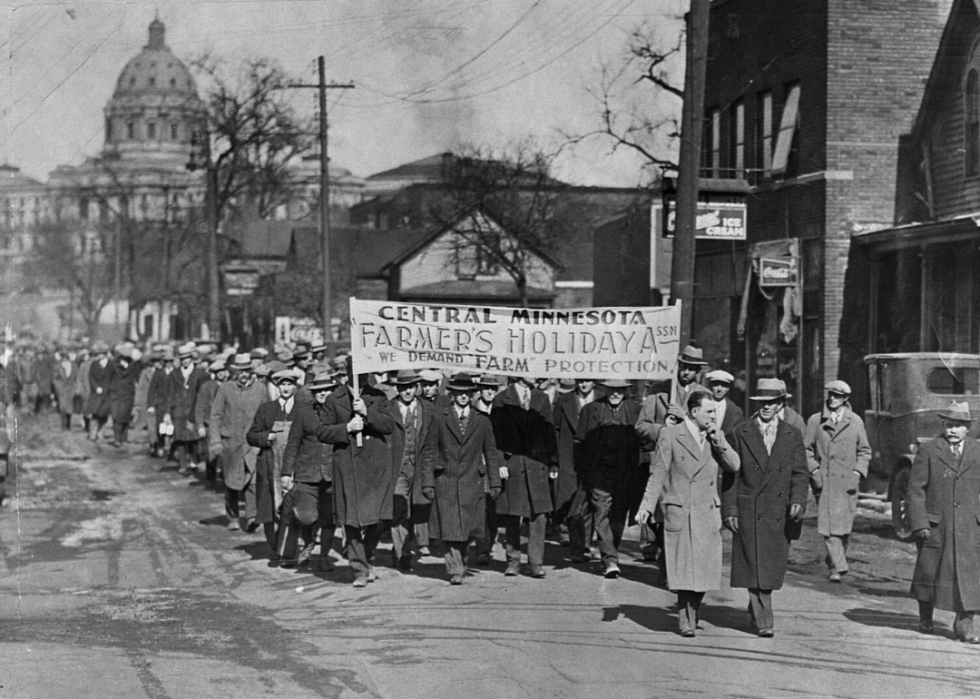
[891, 620]
[651, 618]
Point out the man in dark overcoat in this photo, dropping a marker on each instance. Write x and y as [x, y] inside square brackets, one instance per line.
[460, 464]
[122, 392]
[764, 502]
[184, 386]
[63, 382]
[157, 398]
[572, 507]
[413, 419]
[609, 460]
[99, 375]
[524, 430]
[944, 506]
[362, 472]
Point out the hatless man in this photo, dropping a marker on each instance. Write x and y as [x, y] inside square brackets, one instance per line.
[838, 455]
[763, 503]
[944, 507]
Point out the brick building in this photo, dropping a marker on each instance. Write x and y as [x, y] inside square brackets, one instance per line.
[805, 100]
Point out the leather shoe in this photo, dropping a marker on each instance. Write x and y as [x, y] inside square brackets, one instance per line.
[612, 571]
[405, 564]
[971, 638]
[303, 558]
[536, 571]
[456, 580]
[512, 569]
[360, 581]
[835, 577]
[687, 633]
[926, 627]
[766, 633]
[483, 560]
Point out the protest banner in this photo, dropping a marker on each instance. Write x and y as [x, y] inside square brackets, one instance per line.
[601, 343]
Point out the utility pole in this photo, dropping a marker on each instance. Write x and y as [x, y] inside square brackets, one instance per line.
[692, 122]
[202, 141]
[324, 220]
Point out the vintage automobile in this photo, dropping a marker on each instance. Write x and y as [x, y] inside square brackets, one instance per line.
[907, 392]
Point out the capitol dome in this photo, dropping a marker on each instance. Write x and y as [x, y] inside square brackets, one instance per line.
[155, 108]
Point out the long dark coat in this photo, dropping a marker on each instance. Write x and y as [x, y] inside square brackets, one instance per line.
[363, 486]
[122, 390]
[307, 459]
[99, 379]
[760, 495]
[427, 414]
[526, 438]
[461, 467]
[733, 416]
[834, 453]
[64, 387]
[265, 463]
[566, 421]
[944, 497]
[181, 402]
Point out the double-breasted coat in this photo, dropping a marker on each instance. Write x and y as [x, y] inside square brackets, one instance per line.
[363, 487]
[944, 497]
[99, 378]
[413, 468]
[460, 467]
[267, 486]
[567, 409]
[526, 439]
[833, 453]
[760, 494]
[182, 394]
[684, 478]
[232, 412]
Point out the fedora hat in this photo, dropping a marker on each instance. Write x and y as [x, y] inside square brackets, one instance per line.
[769, 389]
[241, 362]
[186, 350]
[324, 379]
[461, 382]
[491, 381]
[430, 375]
[692, 355]
[217, 365]
[405, 377]
[259, 353]
[959, 412]
[615, 383]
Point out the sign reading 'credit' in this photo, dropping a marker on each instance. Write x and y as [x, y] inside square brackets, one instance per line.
[714, 221]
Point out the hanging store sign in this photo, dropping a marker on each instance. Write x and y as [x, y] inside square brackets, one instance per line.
[291, 330]
[779, 271]
[714, 221]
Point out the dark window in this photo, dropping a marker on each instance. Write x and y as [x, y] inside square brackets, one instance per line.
[130, 130]
[954, 381]
[763, 133]
[83, 208]
[153, 81]
[972, 98]
[736, 141]
[108, 129]
[174, 132]
[151, 129]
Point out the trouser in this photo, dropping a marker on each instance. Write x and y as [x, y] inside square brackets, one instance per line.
[232, 498]
[580, 522]
[184, 452]
[610, 501]
[422, 528]
[97, 424]
[836, 553]
[963, 624]
[537, 524]
[402, 532]
[361, 545]
[120, 430]
[760, 607]
[455, 555]
[484, 545]
[66, 421]
[305, 507]
[688, 605]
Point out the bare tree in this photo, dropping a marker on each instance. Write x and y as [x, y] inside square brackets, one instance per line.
[505, 207]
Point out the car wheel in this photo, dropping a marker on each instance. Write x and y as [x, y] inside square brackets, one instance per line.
[900, 504]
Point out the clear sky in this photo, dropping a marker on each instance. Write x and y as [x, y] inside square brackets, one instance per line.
[431, 75]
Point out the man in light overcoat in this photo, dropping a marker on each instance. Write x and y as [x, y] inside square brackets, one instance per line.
[838, 454]
[684, 474]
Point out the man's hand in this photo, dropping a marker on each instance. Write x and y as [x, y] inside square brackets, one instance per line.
[494, 492]
[553, 472]
[202, 431]
[151, 410]
[273, 436]
[922, 535]
[796, 512]
[731, 524]
[358, 406]
[643, 516]
[429, 493]
[286, 482]
[675, 414]
[504, 473]
[217, 448]
[716, 437]
[356, 424]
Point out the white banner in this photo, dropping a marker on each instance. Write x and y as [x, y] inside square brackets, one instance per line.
[602, 343]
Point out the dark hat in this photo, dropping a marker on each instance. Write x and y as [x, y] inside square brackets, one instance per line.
[491, 381]
[461, 382]
[769, 389]
[404, 377]
[692, 355]
[324, 379]
[958, 412]
[430, 375]
[301, 352]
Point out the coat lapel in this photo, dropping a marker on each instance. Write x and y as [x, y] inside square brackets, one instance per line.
[687, 440]
[946, 455]
[971, 456]
[453, 423]
[753, 438]
[779, 447]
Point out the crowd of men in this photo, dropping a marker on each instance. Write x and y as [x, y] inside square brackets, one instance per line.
[303, 447]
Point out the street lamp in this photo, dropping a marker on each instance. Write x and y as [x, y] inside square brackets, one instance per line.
[200, 158]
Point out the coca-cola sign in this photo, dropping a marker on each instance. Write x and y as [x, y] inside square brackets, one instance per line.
[778, 271]
[713, 222]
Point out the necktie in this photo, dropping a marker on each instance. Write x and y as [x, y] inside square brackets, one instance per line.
[463, 419]
[525, 399]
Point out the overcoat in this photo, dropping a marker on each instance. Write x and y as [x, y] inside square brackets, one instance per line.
[142, 393]
[99, 378]
[461, 468]
[526, 438]
[64, 387]
[733, 416]
[944, 497]
[232, 413]
[567, 409]
[266, 477]
[122, 390]
[83, 385]
[182, 395]
[307, 459]
[413, 473]
[205, 397]
[684, 478]
[760, 495]
[363, 487]
[833, 454]
[45, 373]
[653, 416]
[794, 419]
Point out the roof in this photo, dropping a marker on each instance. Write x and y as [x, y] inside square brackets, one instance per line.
[12, 178]
[155, 69]
[425, 170]
[260, 238]
[469, 289]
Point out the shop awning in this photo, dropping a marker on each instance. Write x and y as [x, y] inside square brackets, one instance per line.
[921, 234]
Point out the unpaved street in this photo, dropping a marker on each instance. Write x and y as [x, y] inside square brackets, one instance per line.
[119, 579]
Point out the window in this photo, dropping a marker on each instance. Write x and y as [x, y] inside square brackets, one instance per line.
[954, 381]
[108, 129]
[763, 133]
[787, 130]
[151, 130]
[972, 146]
[174, 131]
[736, 140]
[130, 130]
[153, 81]
[711, 147]
[83, 208]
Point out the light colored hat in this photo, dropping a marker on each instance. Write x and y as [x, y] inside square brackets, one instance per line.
[123, 350]
[186, 350]
[692, 355]
[241, 362]
[404, 377]
[959, 412]
[324, 379]
[318, 347]
[136, 355]
[769, 389]
[217, 365]
[615, 383]
[720, 376]
[294, 375]
[284, 355]
[491, 380]
[430, 375]
[838, 386]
